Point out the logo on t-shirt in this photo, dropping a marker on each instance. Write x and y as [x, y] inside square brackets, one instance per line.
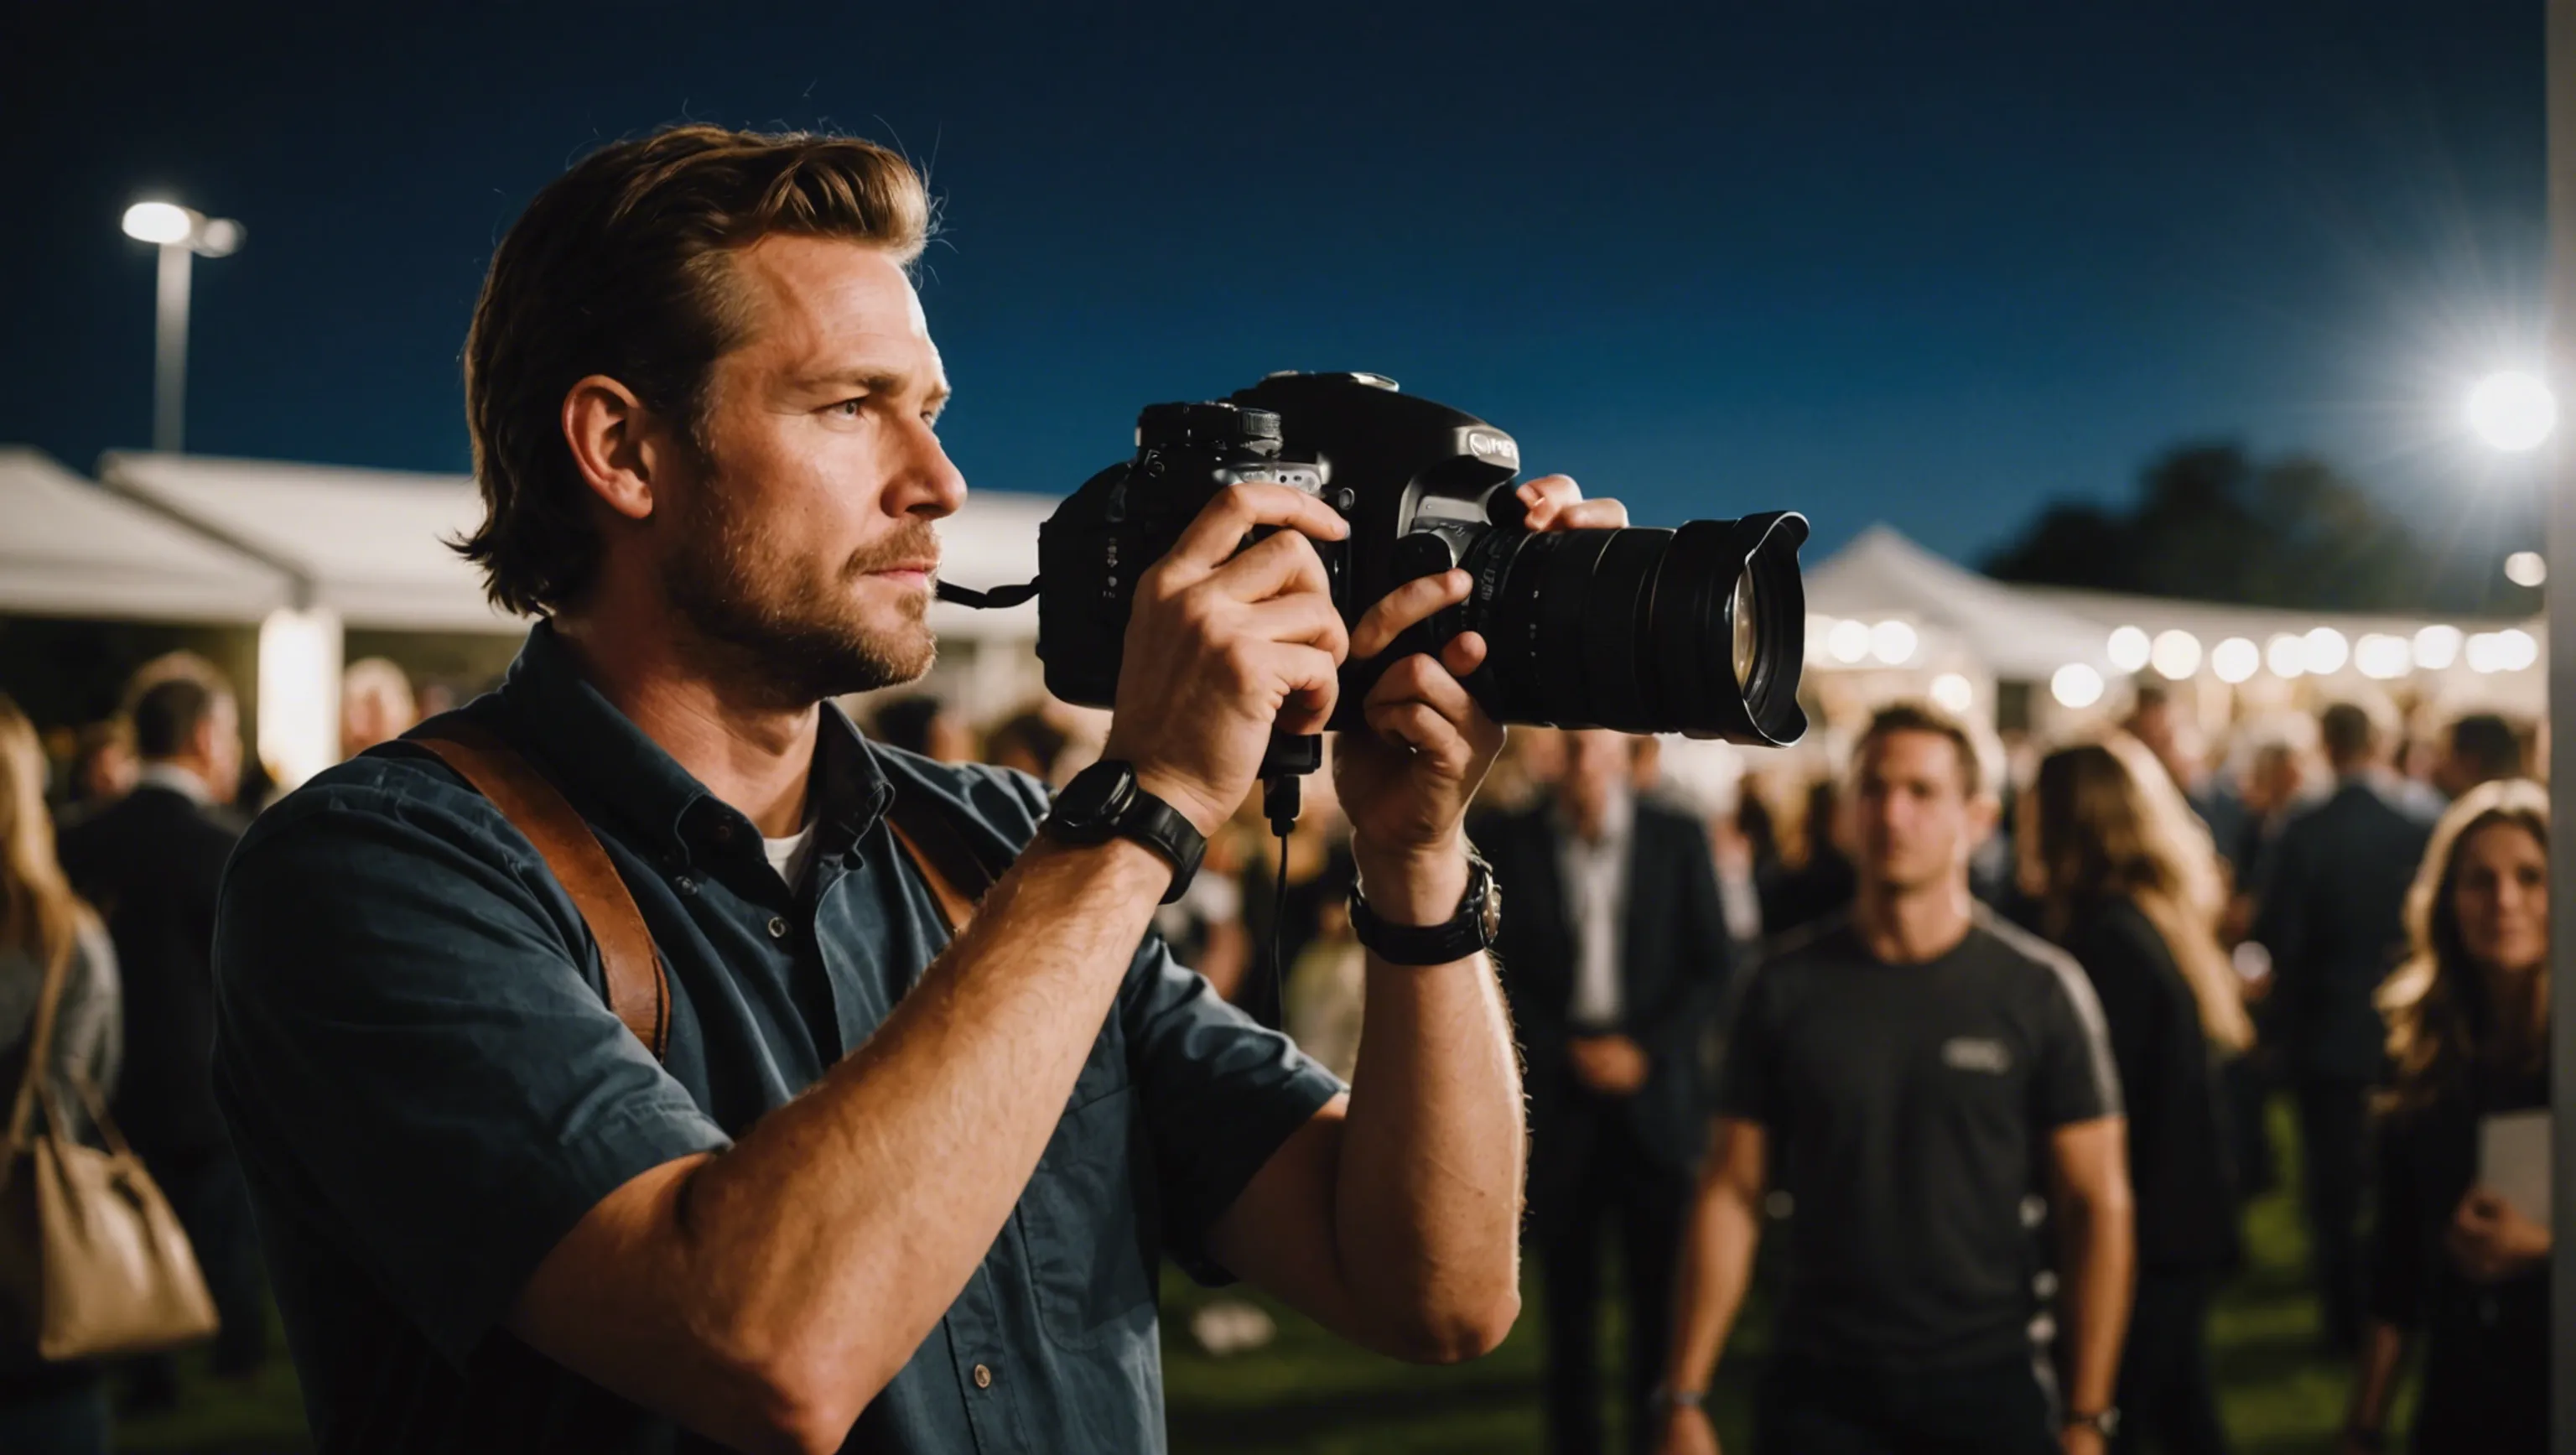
[1972, 1053]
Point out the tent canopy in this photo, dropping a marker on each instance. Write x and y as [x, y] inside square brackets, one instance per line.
[2016, 636]
[72, 549]
[371, 544]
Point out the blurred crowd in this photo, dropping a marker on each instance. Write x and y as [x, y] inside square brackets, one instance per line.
[2349, 912]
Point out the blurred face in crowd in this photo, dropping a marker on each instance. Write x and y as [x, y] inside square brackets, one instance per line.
[215, 751]
[1597, 764]
[805, 535]
[1913, 817]
[2273, 782]
[2500, 894]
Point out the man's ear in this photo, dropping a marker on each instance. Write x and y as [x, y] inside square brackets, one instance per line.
[621, 447]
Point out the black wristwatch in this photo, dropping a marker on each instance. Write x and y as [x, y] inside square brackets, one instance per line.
[1103, 802]
[1470, 930]
[2104, 1422]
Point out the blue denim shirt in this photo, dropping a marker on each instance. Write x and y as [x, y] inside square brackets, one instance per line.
[428, 1089]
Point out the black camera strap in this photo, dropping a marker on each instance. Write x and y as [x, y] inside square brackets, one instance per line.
[993, 600]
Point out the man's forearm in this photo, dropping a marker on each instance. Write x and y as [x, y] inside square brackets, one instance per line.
[1427, 1202]
[1708, 1285]
[831, 1238]
[2098, 1248]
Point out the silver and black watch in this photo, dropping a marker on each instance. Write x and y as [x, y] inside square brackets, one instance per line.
[1470, 931]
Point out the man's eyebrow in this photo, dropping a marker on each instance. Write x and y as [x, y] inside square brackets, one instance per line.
[871, 380]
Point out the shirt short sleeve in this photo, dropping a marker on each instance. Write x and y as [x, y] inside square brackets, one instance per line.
[410, 1045]
[1220, 1094]
[2075, 1079]
[1748, 1077]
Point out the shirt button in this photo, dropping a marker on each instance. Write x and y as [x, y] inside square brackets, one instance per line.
[777, 928]
[688, 888]
[723, 831]
[983, 1376]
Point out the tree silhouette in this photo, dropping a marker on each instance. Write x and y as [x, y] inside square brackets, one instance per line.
[2213, 524]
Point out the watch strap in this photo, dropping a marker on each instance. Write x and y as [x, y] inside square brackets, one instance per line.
[1142, 817]
[1463, 934]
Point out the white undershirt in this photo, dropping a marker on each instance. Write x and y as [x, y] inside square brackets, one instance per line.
[790, 855]
[1596, 900]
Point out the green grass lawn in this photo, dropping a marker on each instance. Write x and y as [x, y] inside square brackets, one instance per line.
[1310, 1394]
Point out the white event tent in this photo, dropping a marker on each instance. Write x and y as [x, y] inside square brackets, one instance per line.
[68, 548]
[368, 549]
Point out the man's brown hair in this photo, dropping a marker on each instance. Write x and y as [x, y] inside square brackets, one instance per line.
[1923, 717]
[622, 267]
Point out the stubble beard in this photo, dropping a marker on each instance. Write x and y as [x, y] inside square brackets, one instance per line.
[787, 632]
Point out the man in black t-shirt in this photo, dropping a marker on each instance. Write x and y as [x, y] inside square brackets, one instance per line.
[1909, 1085]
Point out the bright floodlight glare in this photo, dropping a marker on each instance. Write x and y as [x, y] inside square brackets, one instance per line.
[2380, 657]
[1953, 692]
[1892, 642]
[2512, 411]
[2235, 659]
[2176, 654]
[2076, 685]
[1848, 641]
[2526, 568]
[2129, 648]
[221, 237]
[2484, 653]
[2327, 651]
[2437, 647]
[2286, 655]
[158, 222]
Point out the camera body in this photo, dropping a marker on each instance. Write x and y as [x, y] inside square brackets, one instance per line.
[1697, 630]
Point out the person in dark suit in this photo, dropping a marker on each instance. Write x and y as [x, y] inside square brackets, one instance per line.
[1614, 952]
[151, 864]
[2332, 918]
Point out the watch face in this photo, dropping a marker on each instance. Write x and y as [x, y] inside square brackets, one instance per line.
[1096, 794]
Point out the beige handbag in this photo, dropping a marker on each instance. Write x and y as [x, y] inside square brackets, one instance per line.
[92, 1260]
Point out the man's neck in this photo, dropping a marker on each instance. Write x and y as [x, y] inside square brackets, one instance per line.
[755, 756]
[1913, 925]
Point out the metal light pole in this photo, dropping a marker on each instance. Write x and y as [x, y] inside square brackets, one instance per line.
[183, 234]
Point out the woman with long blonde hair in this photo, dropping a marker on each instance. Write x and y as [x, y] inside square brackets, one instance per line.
[2468, 1033]
[45, 1409]
[2127, 883]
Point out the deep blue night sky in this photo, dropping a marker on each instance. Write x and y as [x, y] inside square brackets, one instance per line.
[1875, 263]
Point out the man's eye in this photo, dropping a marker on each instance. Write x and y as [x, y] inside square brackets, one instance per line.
[849, 408]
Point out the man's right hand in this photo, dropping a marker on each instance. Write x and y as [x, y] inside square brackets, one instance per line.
[1687, 1432]
[1225, 644]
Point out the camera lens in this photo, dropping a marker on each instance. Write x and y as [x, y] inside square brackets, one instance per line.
[1698, 630]
[1739, 613]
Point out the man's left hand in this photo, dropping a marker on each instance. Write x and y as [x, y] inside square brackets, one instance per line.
[1407, 781]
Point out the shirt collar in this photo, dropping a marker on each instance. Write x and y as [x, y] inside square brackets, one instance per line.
[175, 779]
[602, 760]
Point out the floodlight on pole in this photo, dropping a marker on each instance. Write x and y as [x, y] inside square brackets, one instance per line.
[182, 234]
[2512, 411]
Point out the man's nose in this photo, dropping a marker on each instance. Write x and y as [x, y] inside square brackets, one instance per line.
[931, 484]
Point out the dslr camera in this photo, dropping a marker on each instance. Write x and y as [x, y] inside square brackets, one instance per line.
[1699, 629]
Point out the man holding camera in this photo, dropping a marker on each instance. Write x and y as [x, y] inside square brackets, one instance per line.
[882, 1188]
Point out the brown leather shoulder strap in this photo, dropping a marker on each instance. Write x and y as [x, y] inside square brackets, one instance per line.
[957, 878]
[638, 991]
